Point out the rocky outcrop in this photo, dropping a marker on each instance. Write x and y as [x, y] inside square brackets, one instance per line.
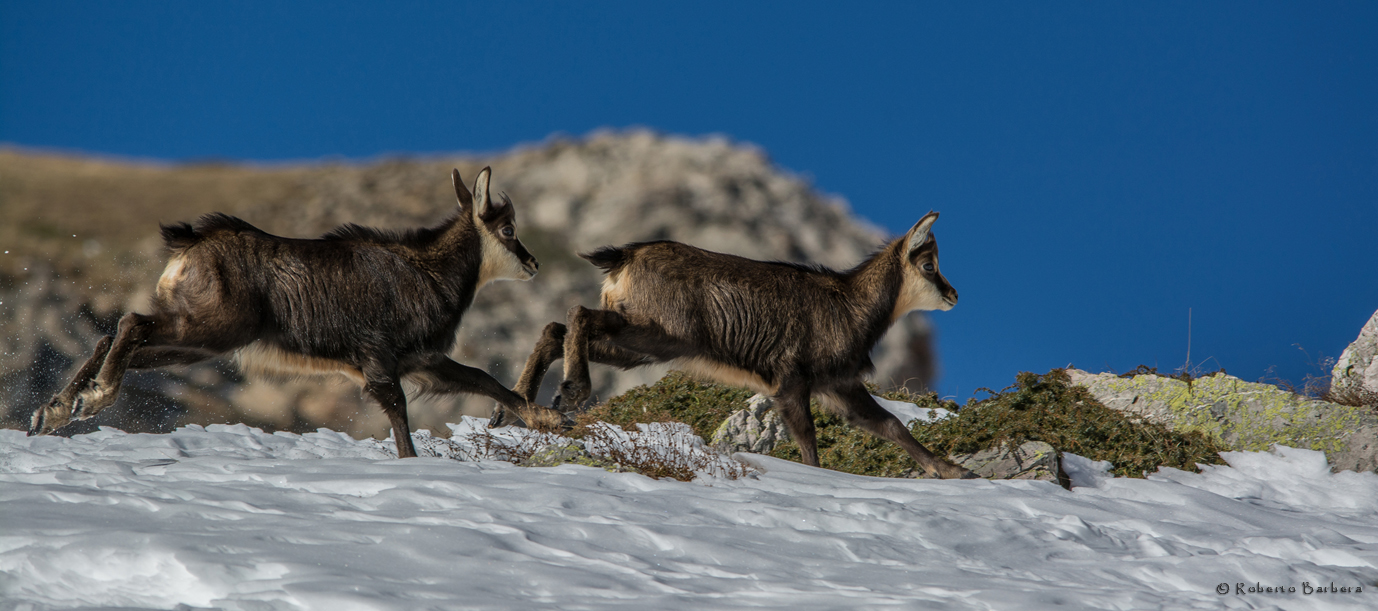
[1244, 416]
[1356, 371]
[756, 429]
[571, 196]
[1033, 460]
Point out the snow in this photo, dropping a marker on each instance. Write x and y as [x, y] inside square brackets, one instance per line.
[908, 412]
[230, 517]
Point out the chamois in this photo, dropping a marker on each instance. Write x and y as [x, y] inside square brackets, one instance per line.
[783, 329]
[374, 306]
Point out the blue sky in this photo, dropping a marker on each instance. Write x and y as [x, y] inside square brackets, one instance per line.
[1100, 167]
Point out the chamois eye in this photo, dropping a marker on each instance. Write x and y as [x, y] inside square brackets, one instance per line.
[928, 267]
[508, 232]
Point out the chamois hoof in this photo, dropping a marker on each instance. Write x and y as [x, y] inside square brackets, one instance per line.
[573, 395]
[504, 417]
[36, 425]
[91, 400]
[496, 420]
[49, 418]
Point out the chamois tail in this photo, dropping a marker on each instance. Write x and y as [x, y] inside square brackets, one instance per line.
[179, 236]
[606, 258]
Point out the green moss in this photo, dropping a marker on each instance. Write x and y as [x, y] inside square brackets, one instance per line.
[1037, 408]
[842, 447]
[677, 397]
[1050, 409]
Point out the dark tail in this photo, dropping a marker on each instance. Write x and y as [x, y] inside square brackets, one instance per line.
[179, 236]
[607, 258]
[183, 235]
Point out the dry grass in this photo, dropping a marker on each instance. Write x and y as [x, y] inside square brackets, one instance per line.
[662, 450]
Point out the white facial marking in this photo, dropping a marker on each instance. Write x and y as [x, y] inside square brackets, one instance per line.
[917, 293]
[499, 263]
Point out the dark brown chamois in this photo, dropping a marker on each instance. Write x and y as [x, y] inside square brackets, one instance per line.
[375, 306]
[783, 329]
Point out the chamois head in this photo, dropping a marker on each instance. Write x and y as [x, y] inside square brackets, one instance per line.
[504, 256]
[924, 287]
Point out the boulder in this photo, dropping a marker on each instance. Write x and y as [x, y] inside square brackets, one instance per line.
[1030, 460]
[755, 429]
[1356, 371]
[1244, 416]
[571, 453]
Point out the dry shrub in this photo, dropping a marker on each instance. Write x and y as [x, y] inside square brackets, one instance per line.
[656, 450]
[659, 450]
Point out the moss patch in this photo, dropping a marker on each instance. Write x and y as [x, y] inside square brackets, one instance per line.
[677, 397]
[1044, 408]
[1050, 409]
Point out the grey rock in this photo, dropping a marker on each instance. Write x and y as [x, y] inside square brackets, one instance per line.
[1356, 371]
[1034, 460]
[756, 429]
[1245, 416]
[572, 453]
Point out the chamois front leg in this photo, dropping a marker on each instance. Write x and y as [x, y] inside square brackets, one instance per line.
[550, 347]
[862, 411]
[792, 401]
[385, 389]
[444, 375]
[576, 387]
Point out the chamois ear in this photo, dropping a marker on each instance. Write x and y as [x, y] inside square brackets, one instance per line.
[466, 199]
[918, 234]
[481, 200]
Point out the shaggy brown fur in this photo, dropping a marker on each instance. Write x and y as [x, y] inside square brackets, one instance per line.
[788, 330]
[374, 306]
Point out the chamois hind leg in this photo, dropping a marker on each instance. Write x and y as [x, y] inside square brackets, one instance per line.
[153, 357]
[605, 336]
[58, 411]
[385, 388]
[100, 390]
[862, 411]
[550, 347]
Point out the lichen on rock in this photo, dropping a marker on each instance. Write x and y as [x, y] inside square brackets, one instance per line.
[1245, 416]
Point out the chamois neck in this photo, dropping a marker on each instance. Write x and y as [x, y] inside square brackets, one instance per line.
[875, 284]
[450, 253]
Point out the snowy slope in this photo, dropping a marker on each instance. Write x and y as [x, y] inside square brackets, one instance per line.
[230, 517]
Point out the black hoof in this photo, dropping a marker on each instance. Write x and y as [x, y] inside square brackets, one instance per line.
[79, 409]
[499, 418]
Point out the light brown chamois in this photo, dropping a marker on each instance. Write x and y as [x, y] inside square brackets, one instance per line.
[783, 329]
[374, 306]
